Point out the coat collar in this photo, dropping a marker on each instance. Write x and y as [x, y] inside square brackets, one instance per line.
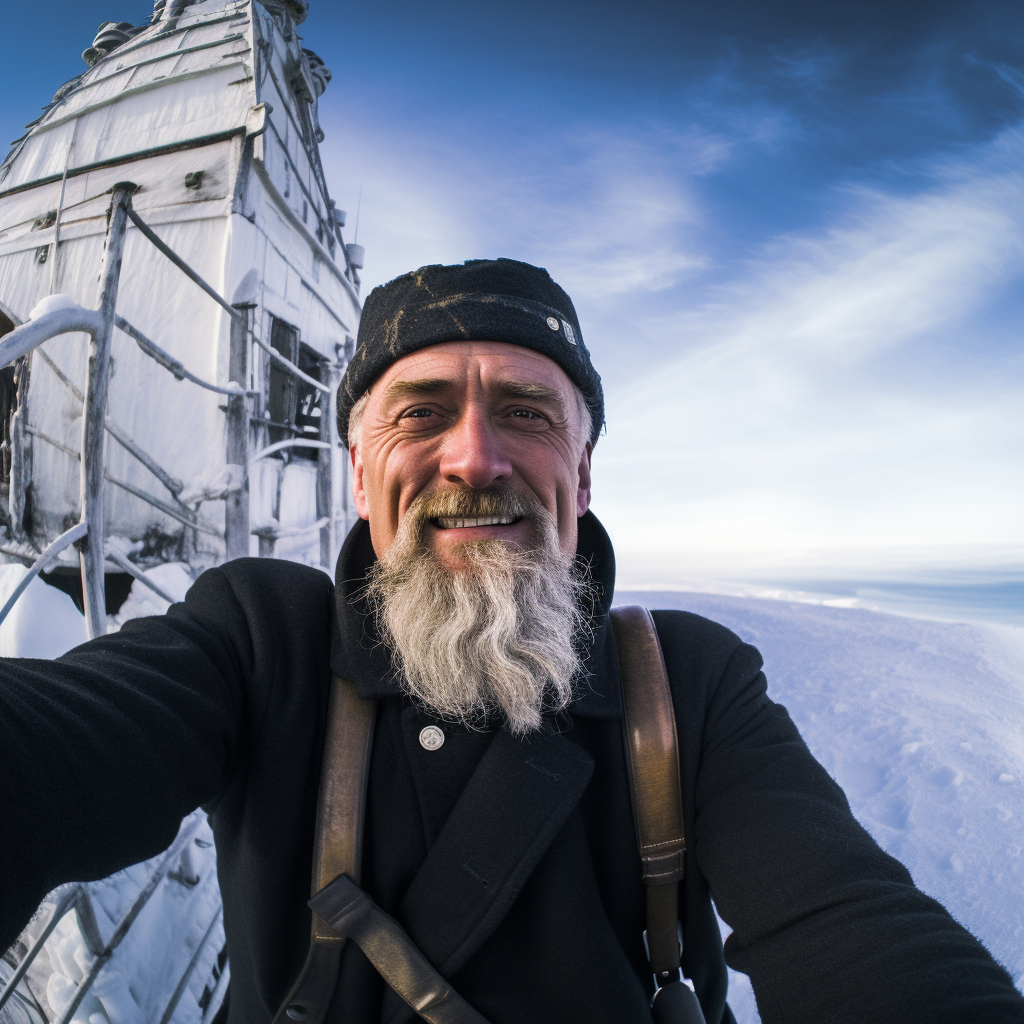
[358, 654]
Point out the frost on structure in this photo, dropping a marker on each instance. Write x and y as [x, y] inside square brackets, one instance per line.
[166, 967]
[212, 111]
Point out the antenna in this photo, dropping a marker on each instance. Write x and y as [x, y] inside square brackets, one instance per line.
[359, 204]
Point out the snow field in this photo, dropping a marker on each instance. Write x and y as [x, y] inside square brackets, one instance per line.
[920, 722]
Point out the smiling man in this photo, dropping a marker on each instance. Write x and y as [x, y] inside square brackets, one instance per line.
[471, 463]
[471, 610]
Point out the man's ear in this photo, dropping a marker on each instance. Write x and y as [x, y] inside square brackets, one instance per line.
[583, 490]
[358, 490]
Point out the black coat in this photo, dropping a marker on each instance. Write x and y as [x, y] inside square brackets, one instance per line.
[512, 864]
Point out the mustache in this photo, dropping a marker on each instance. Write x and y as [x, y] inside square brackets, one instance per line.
[468, 503]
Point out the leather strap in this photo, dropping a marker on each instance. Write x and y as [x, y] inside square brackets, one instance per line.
[337, 843]
[351, 912]
[652, 750]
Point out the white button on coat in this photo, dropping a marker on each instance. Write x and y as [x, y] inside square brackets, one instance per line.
[431, 738]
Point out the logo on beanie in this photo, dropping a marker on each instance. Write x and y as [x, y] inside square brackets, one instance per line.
[570, 335]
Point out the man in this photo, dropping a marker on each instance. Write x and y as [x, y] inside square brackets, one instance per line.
[471, 605]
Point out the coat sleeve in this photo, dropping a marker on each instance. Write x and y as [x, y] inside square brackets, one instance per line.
[104, 750]
[827, 925]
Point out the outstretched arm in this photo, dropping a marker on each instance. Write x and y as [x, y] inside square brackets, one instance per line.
[104, 750]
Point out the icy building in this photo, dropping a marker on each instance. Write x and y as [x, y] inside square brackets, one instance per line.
[177, 306]
[211, 112]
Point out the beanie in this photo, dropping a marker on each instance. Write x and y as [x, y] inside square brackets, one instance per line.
[479, 300]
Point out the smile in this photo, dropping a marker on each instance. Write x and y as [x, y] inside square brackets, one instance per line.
[464, 524]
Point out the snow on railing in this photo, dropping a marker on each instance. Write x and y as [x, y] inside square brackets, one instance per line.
[59, 314]
[103, 920]
[99, 325]
[177, 369]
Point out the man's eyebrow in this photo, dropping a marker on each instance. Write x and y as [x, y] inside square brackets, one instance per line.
[531, 393]
[399, 389]
[522, 390]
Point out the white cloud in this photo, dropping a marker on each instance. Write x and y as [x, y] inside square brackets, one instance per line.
[609, 210]
[838, 389]
[843, 392]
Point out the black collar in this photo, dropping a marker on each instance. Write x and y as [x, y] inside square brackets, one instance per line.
[358, 654]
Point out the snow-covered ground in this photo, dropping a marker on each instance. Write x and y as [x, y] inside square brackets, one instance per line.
[922, 724]
[919, 721]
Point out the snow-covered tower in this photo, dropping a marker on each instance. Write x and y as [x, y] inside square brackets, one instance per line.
[211, 112]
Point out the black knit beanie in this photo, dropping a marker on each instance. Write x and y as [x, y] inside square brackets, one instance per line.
[479, 300]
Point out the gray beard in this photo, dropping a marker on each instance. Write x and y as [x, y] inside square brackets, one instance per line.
[500, 633]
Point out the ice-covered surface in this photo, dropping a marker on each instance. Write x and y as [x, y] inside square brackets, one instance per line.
[168, 955]
[173, 577]
[921, 723]
[44, 622]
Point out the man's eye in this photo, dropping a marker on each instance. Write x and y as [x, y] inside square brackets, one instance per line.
[528, 417]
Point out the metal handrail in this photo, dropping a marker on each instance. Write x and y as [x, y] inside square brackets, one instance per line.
[189, 519]
[294, 442]
[68, 897]
[166, 360]
[289, 365]
[27, 336]
[65, 540]
[99, 325]
[220, 300]
[179, 990]
[185, 515]
[133, 570]
[217, 995]
[77, 896]
[184, 836]
[119, 434]
[284, 532]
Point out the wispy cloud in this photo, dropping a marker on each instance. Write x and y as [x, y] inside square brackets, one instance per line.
[802, 304]
[842, 386]
[608, 208]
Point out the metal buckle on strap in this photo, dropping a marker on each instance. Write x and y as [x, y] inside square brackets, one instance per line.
[661, 980]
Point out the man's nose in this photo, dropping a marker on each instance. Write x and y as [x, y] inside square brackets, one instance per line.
[474, 454]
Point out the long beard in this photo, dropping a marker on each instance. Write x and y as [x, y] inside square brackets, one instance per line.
[499, 633]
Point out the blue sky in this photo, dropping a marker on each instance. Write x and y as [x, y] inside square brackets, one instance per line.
[793, 232]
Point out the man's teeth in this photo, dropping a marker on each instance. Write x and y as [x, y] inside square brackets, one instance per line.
[462, 524]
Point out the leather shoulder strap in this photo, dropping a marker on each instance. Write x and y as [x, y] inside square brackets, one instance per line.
[337, 844]
[652, 750]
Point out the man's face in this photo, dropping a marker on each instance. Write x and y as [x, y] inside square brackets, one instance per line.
[471, 414]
